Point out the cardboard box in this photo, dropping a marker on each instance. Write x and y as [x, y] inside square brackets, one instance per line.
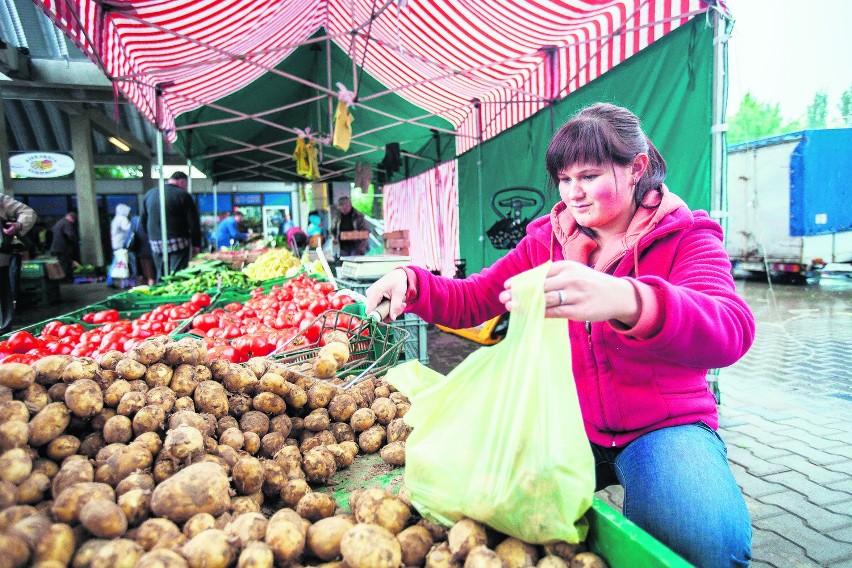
[354, 235]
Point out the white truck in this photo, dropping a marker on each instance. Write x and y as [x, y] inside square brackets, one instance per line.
[790, 204]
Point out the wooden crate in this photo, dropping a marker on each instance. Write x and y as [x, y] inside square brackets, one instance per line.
[396, 242]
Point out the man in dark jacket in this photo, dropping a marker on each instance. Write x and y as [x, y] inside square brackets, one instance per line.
[183, 224]
[66, 244]
[348, 220]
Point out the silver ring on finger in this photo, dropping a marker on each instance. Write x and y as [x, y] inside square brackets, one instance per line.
[561, 297]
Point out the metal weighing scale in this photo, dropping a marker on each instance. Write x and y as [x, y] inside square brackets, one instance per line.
[370, 267]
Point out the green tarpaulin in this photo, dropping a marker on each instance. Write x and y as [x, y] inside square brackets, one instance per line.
[669, 85]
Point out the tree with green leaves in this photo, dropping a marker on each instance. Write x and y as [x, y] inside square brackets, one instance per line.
[818, 110]
[845, 107]
[755, 119]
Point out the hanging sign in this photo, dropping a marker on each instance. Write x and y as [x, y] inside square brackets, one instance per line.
[41, 165]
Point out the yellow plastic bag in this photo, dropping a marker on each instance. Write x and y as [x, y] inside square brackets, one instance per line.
[500, 439]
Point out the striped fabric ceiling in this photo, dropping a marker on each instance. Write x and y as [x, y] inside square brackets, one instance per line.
[439, 54]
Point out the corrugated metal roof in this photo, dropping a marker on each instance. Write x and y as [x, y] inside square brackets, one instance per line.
[37, 125]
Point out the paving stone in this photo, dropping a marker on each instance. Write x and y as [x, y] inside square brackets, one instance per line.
[771, 425]
[842, 535]
[727, 422]
[817, 456]
[755, 487]
[759, 434]
[813, 492]
[817, 547]
[770, 418]
[818, 474]
[811, 440]
[845, 485]
[812, 426]
[754, 465]
[771, 549]
[758, 509]
[844, 467]
[815, 517]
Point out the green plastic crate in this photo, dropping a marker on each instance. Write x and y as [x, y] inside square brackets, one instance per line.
[415, 347]
[611, 536]
[36, 328]
[38, 292]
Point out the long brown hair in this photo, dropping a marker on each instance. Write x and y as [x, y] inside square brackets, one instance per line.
[604, 133]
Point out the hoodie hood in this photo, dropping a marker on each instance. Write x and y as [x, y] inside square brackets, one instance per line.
[578, 246]
[122, 209]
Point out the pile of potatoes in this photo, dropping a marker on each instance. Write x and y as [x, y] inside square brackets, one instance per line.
[161, 457]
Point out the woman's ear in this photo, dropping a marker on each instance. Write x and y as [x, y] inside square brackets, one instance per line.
[639, 166]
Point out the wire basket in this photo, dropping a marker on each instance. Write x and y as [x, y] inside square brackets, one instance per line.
[373, 347]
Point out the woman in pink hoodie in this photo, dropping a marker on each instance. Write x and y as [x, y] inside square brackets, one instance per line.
[646, 288]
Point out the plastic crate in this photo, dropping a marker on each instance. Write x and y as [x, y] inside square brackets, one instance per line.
[38, 292]
[415, 346]
[618, 541]
[131, 300]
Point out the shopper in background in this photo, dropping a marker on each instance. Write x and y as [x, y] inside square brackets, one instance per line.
[66, 244]
[182, 223]
[286, 224]
[16, 219]
[119, 228]
[297, 239]
[228, 232]
[348, 219]
[139, 252]
[646, 288]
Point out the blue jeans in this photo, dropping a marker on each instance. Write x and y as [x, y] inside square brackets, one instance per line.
[679, 488]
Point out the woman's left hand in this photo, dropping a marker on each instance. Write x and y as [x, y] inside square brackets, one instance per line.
[577, 292]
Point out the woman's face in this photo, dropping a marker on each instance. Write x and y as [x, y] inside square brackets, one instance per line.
[599, 196]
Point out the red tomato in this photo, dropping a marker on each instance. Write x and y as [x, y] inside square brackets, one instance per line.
[310, 330]
[233, 307]
[202, 299]
[52, 327]
[318, 306]
[22, 341]
[88, 318]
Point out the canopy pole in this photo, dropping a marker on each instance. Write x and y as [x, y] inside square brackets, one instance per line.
[477, 107]
[718, 160]
[189, 161]
[164, 238]
[328, 79]
[215, 215]
[164, 234]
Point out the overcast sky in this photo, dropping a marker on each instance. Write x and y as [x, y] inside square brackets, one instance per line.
[783, 51]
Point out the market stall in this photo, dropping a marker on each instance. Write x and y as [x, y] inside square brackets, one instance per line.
[161, 450]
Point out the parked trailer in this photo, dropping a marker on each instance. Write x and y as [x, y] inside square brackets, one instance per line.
[790, 203]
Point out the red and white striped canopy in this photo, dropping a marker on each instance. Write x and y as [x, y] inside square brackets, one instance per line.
[511, 55]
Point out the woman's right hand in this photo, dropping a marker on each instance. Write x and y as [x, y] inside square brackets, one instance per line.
[392, 286]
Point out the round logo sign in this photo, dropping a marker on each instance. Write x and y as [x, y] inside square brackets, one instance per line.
[41, 165]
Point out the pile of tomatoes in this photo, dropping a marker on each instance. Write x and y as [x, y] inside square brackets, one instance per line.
[112, 333]
[284, 318]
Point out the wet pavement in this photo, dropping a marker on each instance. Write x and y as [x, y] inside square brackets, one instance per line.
[786, 417]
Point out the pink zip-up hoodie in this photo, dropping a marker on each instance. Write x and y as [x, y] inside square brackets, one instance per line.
[629, 381]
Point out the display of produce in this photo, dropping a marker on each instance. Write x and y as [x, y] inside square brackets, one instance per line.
[200, 278]
[269, 320]
[163, 457]
[273, 264]
[104, 332]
